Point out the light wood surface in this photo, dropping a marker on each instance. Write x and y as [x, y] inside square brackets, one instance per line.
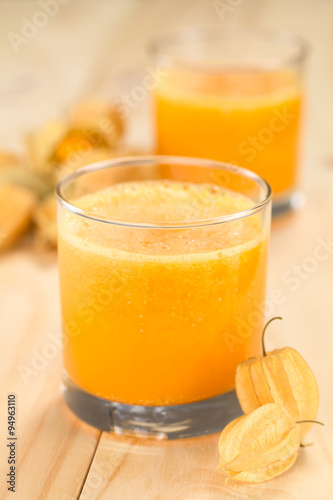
[89, 48]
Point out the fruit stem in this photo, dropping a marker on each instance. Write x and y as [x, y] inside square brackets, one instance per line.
[309, 422]
[263, 334]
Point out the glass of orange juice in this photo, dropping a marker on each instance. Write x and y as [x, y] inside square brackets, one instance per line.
[162, 275]
[233, 95]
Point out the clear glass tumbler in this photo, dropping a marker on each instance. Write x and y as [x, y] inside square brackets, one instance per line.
[162, 273]
[234, 95]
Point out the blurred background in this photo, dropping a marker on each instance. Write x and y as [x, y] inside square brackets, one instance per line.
[55, 52]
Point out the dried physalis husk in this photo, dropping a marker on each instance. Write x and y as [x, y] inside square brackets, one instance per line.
[41, 145]
[57, 144]
[75, 145]
[80, 160]
[280, 376]
[8, 159]
[259, 446]
[100, 121]
[27, 178]
[92, 126]
[17, 204]
[45, 220]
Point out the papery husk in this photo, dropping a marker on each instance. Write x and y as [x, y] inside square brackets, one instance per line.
[81, 160]
[76, 144]
[269, 472]
[27, 178]
[101, 118]
[283, 377]
[8, 159]
[95, 155]
[45, 220]
[259, 446]
[41, 145]
[92, 126]
[17, 205]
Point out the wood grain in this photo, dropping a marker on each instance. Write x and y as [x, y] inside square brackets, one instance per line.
[81, 52]
[54, 450]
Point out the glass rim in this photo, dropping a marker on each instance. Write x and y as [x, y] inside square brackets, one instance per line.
[162, 159]
[158, 47]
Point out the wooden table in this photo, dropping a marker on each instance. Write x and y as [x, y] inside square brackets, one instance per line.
[76, 54]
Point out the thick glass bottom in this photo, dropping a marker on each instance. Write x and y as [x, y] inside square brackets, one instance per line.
[160, 422]
[287, 202]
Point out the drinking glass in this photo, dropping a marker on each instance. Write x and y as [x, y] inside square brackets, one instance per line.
[234, 95]
[162, 266]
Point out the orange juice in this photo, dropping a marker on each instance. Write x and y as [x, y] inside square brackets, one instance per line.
[154, 316]
[250, 119]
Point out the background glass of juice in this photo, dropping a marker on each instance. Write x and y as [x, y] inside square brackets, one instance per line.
[162, 274]
[233, 95]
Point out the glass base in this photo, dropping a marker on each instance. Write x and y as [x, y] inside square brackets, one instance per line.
[160, 422]
[286, 203]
